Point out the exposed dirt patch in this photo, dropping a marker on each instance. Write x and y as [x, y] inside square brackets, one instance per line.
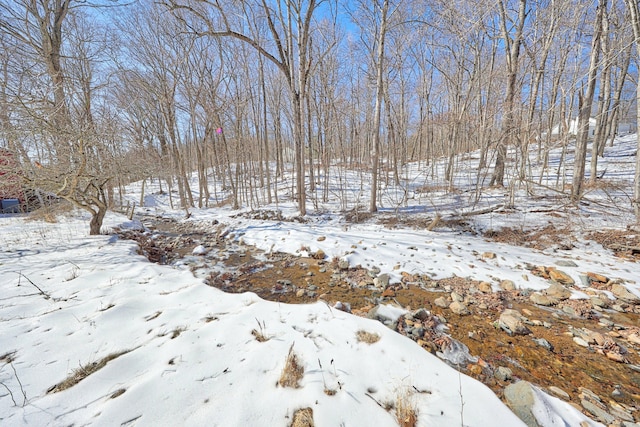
[540, 239]
[624, 244]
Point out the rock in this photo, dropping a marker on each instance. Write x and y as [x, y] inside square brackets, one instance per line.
[596, 338]
[455, 297]
[616, 357]
[513, 322]
[343, 306]
[485, 287]
[634, 338]
[581, 342]
[300, 293]
[558, 392]
[488, 255]
[199, 250]
[508, 285]
[558, 292]
[560, 276]
[319, 254]
[421, 314]
[441, 302]
[343, 264]
[503, 373]
[620, 291]
[619, 411]
[321, 238]
[596, 411]
[540, 299]
[598, 302]
[565, 263]
[520, 397]
[595, 277]
[543, 343]
[459, 308]
[382, 281]
[384, 315]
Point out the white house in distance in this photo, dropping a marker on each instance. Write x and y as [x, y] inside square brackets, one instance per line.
[624, 128]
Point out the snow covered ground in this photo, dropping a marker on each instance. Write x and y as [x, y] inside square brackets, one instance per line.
[153, 345]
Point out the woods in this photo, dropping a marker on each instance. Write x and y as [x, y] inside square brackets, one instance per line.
[95, 95]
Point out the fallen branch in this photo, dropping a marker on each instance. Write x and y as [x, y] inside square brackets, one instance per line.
[43, 293]
[481, 211]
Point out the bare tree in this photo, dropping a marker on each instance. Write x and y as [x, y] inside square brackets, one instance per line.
[634, 12]
[65, 159]
[289, 25]
[585, 105]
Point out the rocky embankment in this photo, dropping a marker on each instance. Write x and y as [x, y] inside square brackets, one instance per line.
[518, 342]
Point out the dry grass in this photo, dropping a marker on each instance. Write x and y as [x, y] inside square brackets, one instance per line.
[292, 372]
[84, 371]
[406, 413]
[303, 418]
[367, 337]
[50, 213]
[260, 337]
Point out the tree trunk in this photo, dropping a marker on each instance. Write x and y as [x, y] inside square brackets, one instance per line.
[375, 161]
[585, 103]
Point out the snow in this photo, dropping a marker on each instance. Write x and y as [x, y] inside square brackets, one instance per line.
[185, 353]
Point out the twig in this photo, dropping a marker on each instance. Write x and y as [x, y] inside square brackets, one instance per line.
[10, 393]
[24, 394]
[43, 293]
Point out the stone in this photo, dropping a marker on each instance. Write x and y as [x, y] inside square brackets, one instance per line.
[508, 285]
[503, 373]
[617, 411]
[540, 299]
[441, 302]
[382, 281]
[321, 238]
[620, 291]
[581, 342]
[343, 306]
[343, 264]
[560, 276]
[596, 338]
[543, 343]
[520, 397]
[485, 287]
[566, 263]
[421, 314]
[558, 292]
[319, 254]
[513, 322]
[558, 392]
[634, 338]
[374, 271]
[300, 293]
[455, 297]
[595, 277]
[596, 411]
[459, 308]
[488, 255]
[199, 250]
[598, 302]
[616, 357]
